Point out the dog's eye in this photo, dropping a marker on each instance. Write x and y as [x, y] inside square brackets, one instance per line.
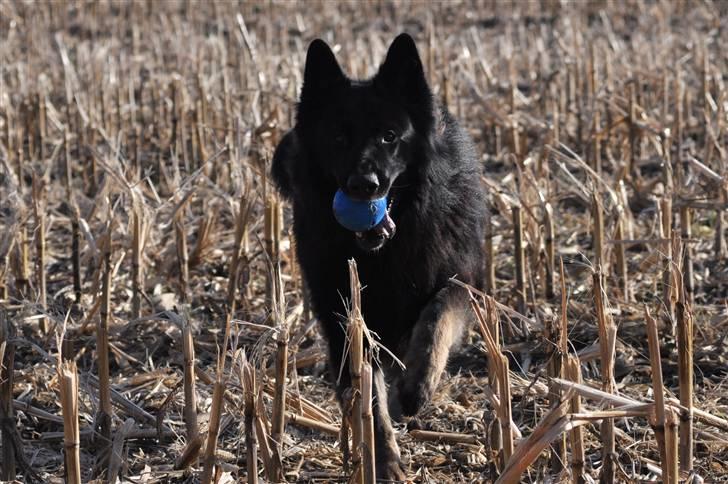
[389, 137]
[340, 139]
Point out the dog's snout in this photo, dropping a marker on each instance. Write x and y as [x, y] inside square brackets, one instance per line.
[362, 185]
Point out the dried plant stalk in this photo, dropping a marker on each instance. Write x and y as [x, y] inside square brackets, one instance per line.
[633, 129]
[596, 146]
[75, 230]
[190, 410]
[279, 400]
[607, 341]
[576, 436]
[305, 406]
[102, 342]
[446, 437]
[68, 381]
[190, 452]
[9, 134]
[367, 417]
[39, 204]
[505, 416]
[653, 340]
[247, 377]
[343, 435]
[667, 273]
[621, 259]
[4, 265]
[513, 121]
[272, 227]
[556, 335]
[687, 260]
[355, 336]
[42, 121]
[671, 442]
[241, 222]
[489, 255]
[550, 250]
[598, 229]
[19, 168]
[76, 253]
[313, 424]
[520, 259]
[551, 426]
[137, 263]
[498, 367]
[22, 280]
[214, 429]
[679, 123]
[493, 328]
[555, 123]
[268, 449]
[115, 461]
[686, 380]
[200, 123]
[182, 256]
[719, 244]
[204, 233]
[7, 363]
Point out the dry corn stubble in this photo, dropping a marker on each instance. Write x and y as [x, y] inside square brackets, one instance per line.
[154, 104]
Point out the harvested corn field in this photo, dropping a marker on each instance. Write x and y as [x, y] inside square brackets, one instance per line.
[154, 326]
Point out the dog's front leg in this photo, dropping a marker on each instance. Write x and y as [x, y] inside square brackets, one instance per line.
[387, 455]
[439, 327]
[388, 459]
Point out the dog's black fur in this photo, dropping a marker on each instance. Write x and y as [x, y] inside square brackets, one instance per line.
[432, 176]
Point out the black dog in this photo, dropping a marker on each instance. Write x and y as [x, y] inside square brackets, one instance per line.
[371, 138]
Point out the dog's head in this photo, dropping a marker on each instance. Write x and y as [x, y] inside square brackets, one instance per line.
[361, 135]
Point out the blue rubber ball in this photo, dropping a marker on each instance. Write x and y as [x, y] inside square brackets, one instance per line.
[358, 216]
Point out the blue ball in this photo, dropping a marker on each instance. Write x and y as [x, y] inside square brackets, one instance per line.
[358, 216]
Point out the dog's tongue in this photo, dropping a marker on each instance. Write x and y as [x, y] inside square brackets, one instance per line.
[385, 229]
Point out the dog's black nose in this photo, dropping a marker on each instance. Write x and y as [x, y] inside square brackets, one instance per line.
[362, 186]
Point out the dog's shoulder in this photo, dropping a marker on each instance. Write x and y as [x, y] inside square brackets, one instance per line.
[453, 200]
[455, 162]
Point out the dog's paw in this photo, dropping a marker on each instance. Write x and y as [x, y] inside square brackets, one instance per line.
[389, 465]
[412, 396]
[391, 470]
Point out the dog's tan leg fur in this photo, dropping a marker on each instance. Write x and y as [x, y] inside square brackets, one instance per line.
[440, 327]
[443, 340]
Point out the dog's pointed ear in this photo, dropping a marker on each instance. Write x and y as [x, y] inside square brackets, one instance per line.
[322, 71]
[402, 71]
[402, 78]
